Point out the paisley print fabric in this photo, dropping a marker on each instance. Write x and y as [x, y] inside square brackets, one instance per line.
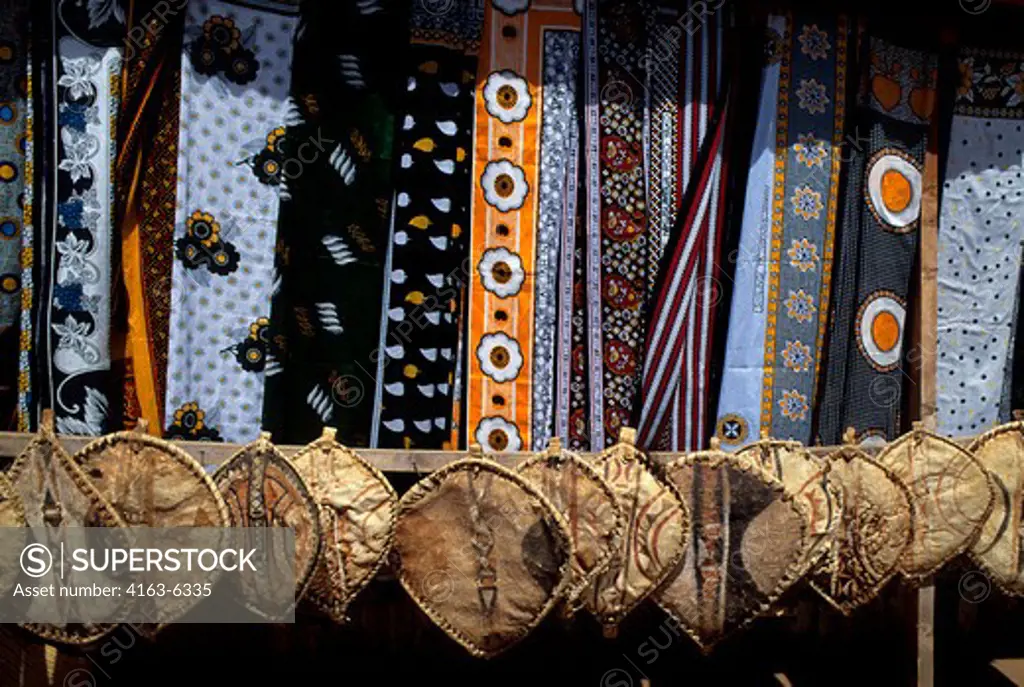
[146, 176]
[333, 225]
[75, 304]
[426, 255]
[236, 62]
[15, 177]
[525, 111]
[863, 381]
[617, 241]
[784, 264]
[981, 226]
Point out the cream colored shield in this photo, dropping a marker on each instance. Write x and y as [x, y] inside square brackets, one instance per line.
[876, 527]
[748, 544]
[12, 514]
[806, 476]
[152, 483]
[654, 542]
[56, 493]
[263, 489]
[998, 549]
[358, 507]
[596, 520]
[951, 494]
[483, 553]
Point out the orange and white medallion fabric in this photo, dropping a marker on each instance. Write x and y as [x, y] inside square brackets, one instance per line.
[524, 142]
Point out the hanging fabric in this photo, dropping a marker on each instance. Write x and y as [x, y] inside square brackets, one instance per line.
[981, 226]
[82, 87]
[784, 262]
[572, 397]
[617, 244]
[522, 209]
[426, 262]
[333, 224]
[26, 344]
[15, 182]
[236, 63]
[687, 161]
[864, 377]
[146, 177]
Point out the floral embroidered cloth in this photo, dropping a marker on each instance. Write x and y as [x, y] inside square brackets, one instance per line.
[236, 63]
[783, 266]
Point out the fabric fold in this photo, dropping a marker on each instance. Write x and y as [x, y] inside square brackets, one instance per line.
[146, 175]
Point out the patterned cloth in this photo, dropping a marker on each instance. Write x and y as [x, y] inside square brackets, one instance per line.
[864, 379]
[687, 161]
[783, 271]
[333, 227]
[981, 227]
[77, 220]
[617, 245]
[147, 166]
[522, 210]
[236, 63]
[15, 170]
[425, 263]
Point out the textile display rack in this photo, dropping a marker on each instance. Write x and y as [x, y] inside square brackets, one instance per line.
[383, 628]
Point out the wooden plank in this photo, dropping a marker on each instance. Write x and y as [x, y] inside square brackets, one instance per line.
[927, 363]
[212, 454]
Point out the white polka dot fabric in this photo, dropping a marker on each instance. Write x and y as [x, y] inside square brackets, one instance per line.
[981, 226]
[234, 87]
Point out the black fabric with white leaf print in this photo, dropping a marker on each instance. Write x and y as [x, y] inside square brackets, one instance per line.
[429, 246]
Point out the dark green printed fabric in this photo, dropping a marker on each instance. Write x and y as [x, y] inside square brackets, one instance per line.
[335, 172]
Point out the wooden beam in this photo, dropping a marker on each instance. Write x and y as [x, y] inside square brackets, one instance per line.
[211, 454]
[928, 333]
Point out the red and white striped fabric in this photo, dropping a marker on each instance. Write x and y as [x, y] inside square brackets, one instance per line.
[673, 415]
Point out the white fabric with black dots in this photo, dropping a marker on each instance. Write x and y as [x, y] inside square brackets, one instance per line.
[981, 226]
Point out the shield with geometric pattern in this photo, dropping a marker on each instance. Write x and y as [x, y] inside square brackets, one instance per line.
[56, 493]
[263, 489]
[748, 543]
[654, 542]
[588, 504]
[806, 476]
